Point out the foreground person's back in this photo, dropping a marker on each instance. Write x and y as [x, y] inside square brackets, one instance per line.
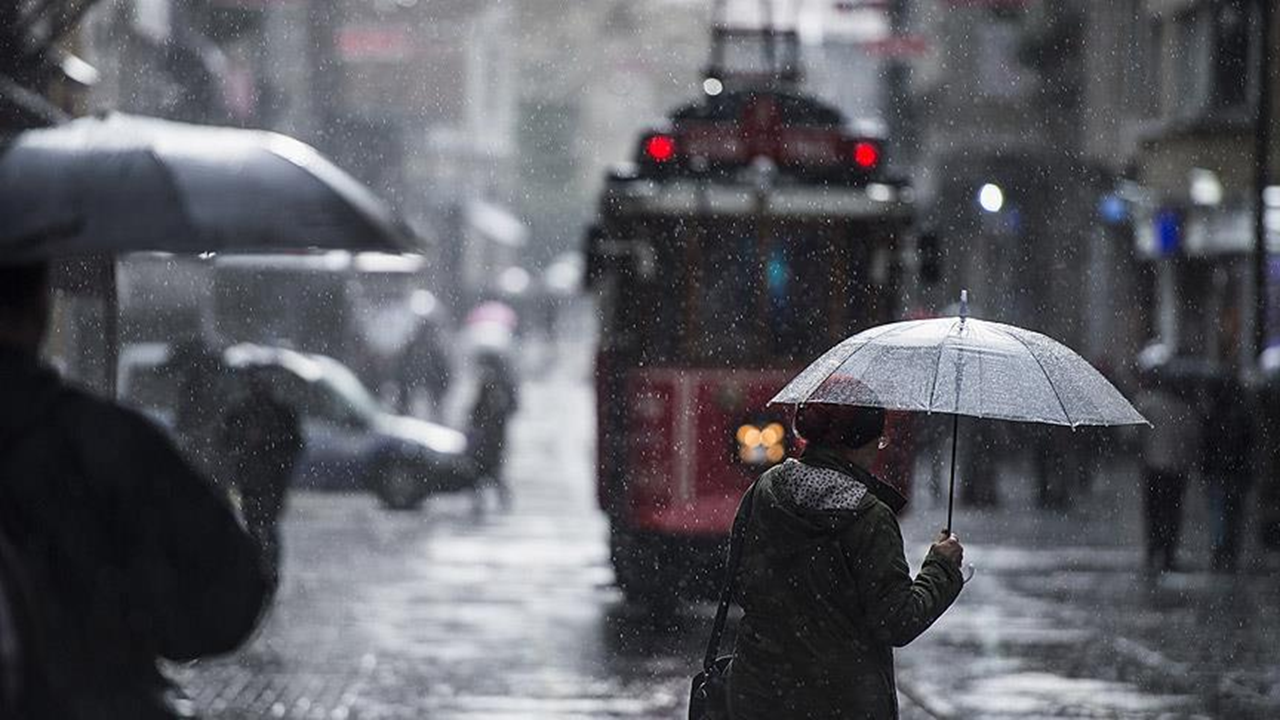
[827, 594]
[130, 555]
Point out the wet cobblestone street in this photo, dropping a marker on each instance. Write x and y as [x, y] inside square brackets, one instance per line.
[443, 613]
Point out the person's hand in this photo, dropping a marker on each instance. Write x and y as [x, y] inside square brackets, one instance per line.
[948, 546]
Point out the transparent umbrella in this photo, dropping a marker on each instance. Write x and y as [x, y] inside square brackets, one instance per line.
[962, 366]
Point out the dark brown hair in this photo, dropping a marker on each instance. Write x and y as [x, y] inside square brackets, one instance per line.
[839, 425]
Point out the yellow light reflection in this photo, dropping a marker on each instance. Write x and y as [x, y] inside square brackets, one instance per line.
[771, 435]
[774, 453]
[743, 433]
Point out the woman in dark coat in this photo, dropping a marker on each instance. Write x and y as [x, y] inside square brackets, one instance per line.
[824, 582]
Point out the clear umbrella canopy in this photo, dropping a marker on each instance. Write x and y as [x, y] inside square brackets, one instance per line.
[963, 366]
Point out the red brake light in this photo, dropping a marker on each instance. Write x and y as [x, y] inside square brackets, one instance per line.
[660, 148]
[865, 154]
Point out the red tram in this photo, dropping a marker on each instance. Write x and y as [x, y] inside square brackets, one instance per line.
[752, 232]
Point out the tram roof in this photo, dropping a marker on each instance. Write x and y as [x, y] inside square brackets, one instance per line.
[691, 198]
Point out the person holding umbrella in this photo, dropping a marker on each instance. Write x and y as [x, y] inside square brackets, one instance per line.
[824, 581]
[261, 436]
[130, 554]
[815, 545]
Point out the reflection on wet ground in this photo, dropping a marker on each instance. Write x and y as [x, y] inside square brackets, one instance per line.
[1061, 621]
[442, 614]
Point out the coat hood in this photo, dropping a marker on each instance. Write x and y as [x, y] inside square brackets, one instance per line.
[814, 497]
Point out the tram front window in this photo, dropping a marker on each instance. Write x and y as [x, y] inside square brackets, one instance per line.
[729, 294]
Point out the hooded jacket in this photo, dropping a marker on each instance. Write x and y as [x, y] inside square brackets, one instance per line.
[131, 555]
[827, 594]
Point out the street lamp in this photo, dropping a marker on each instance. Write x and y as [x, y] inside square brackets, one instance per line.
[991, 197]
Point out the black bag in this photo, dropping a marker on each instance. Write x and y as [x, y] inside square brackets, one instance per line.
[709, 694]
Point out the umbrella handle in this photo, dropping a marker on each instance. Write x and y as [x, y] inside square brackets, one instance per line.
[951, 495]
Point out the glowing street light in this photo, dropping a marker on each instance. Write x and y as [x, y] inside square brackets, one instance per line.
[991, 197]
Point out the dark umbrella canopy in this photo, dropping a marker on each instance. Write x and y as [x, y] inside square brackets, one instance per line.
[119, 183]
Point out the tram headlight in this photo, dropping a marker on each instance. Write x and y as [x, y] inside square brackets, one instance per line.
[761, 444]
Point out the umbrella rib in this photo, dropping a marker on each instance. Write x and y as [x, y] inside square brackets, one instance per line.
[179, 198]
[1044, 372]
[937, 370]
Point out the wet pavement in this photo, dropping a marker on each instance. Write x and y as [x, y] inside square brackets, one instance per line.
[1062, 621]
[442, 613]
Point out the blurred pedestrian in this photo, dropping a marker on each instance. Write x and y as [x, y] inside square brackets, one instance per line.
[200, 374]
[1226, 462]
[425, 368]
[1049, 461]
[131, 554]
[496, 401]
[824, 581]
[1168, 456]
[262, 437]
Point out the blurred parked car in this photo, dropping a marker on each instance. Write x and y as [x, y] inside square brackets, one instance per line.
[352, 442]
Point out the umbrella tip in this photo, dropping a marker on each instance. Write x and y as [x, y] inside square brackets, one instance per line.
[964, 304]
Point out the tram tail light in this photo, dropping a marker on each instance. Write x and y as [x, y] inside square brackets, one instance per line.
[865, 154]
[761, 444]
[660, 148]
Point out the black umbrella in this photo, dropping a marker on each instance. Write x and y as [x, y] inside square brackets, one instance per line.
[118, 183]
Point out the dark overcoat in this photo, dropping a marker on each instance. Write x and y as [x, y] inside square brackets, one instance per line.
[495, 403]
[133, 555]
[827, 595]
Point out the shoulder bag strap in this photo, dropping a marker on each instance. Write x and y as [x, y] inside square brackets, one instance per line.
[730, 578]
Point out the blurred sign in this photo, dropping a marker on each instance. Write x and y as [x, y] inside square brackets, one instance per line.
[763, 135]
[373, 43]
[1013, 4]
[854, 5]
[1168, 231]
[250, 4]
[1218, 232]
[1194, 233]
[844, 22]
[898, 46]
